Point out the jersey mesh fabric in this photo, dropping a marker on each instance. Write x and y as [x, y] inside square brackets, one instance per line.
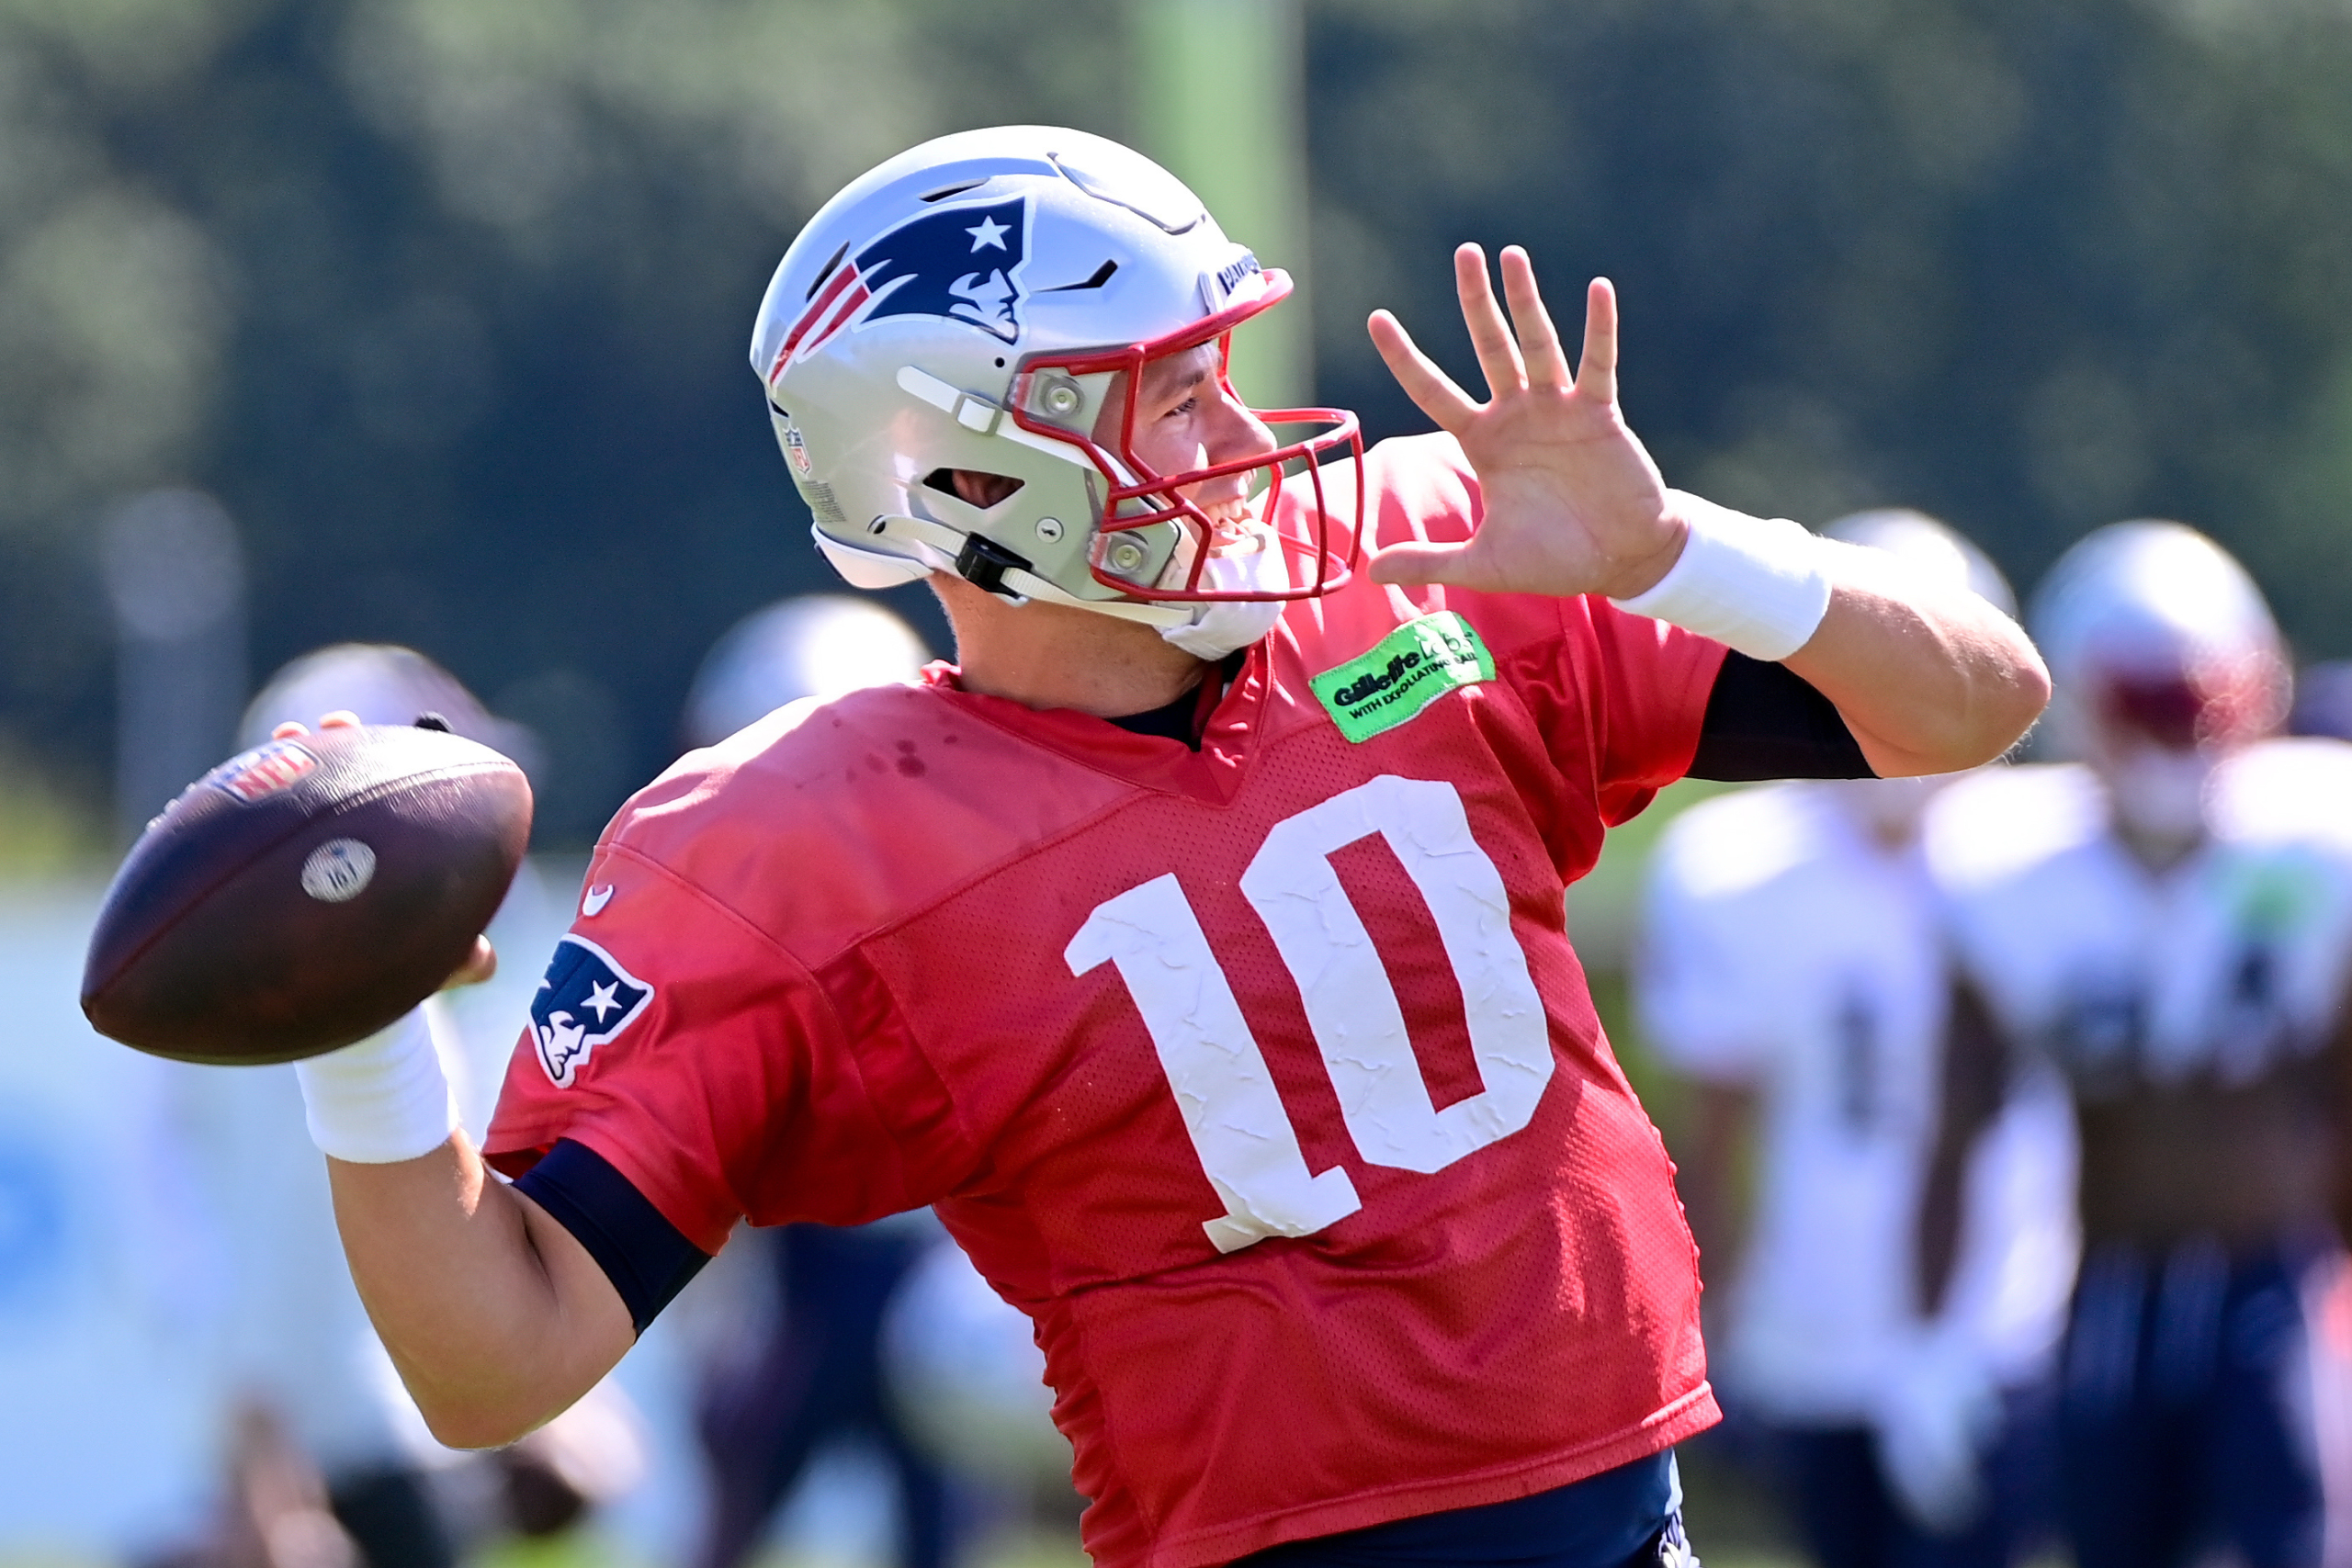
[855, 928]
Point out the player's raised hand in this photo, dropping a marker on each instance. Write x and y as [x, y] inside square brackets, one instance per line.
[1573, 504]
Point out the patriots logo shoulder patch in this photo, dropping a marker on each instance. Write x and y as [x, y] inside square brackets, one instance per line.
[962, 264]
[586, 1001]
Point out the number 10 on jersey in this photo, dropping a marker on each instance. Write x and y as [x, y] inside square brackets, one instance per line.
[1247, 1146]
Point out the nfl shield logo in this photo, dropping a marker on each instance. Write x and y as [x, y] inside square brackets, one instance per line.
[262, 772]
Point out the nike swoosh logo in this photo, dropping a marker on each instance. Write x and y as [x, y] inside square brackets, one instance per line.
[593, 904]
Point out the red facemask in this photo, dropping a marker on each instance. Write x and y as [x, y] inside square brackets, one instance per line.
[2214, 705]
[1322, 552]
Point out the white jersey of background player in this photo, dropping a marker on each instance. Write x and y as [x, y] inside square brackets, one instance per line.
[2170, 924]
[1792, 965]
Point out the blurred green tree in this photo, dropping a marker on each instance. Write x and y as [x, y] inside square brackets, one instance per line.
[446, 298]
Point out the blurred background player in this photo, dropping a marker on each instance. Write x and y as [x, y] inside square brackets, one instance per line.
[1791, 967]
[315, 1392]
[299, 1345]
[2169, 922]
[811, 1374]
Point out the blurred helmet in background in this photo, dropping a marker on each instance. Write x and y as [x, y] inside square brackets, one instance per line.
[1930, 544]
[383, 683]
[1890, 809]
[820, 645]
[2163, 656]
[971, 304]
[2154, 633]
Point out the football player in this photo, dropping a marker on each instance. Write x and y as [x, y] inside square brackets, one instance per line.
[2169, 923]
[1194, 944]
[1791, 967]
[811, 1373]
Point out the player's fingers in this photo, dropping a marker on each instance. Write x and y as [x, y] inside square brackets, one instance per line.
[1596, 376]
[1431, 389]
[342, 718]
[479, 965]
[1539, 340]
[292, 729]
[1417, 562]
[1490, 333]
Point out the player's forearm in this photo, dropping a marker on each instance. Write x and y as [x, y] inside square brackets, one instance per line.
[1930, 678]
[495, 1316]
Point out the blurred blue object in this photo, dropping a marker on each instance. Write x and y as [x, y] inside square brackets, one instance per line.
[2323, 701]
[110, 1281]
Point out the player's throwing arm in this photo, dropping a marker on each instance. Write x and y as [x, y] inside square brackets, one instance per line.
[304, 894]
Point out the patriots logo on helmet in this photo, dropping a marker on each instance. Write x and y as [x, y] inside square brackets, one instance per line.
[586, 1001]
[959, 262]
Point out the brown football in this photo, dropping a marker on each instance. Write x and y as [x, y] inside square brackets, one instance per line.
[306, 894]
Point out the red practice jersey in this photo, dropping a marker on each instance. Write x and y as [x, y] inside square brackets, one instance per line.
[1262, 1077]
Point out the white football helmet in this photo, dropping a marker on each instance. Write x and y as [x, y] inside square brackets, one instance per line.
[2156, 639]
[819, 646]
[1931, 544]
[1892, 809]
[382, 684]
[972, 304]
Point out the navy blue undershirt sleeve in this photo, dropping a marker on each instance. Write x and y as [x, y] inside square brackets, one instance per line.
[648, 1258]
[1765, 721]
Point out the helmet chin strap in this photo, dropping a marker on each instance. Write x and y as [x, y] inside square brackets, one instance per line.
[1205, 630]
[1223, 626]
[941, 548]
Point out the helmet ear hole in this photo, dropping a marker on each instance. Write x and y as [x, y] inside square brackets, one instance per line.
[972, 487]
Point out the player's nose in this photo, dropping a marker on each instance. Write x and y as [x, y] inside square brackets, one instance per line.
[1236, 431]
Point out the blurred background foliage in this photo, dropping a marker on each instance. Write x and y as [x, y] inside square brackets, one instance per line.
[447, 300]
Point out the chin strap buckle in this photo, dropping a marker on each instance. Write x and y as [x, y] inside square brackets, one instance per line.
[982, 562]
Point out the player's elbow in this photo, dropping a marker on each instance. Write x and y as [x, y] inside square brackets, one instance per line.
[480, 1421]
[493, 1405]
[2001, 693]
[2029, 693]
[2011, 690]
[2007, 692]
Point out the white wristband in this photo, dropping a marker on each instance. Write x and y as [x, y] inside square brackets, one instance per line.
[382, 1099]
[1760, 586]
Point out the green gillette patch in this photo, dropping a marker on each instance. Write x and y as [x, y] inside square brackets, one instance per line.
[1411, 668]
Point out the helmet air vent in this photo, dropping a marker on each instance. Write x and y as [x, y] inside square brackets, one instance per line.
[826, 271]
[959, 188]
[1144, 189]
[1101, 276]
